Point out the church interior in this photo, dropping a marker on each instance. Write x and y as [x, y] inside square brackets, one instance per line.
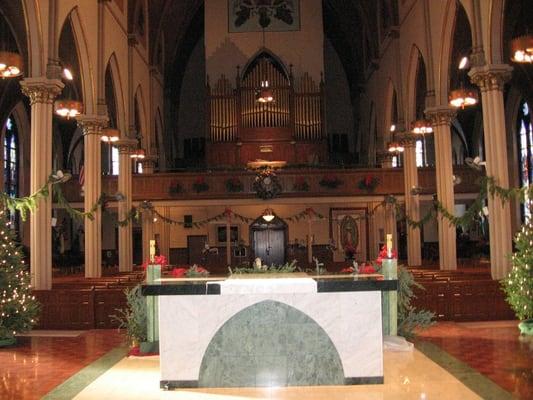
[211, 138]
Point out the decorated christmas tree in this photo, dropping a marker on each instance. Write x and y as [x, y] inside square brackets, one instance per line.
[18, 307]
[518, 285]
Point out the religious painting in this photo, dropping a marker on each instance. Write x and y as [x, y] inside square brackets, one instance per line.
[267, 15]
[349, 234]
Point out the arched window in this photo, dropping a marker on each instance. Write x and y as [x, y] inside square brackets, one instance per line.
[114, 161]
[11, 159]
[525, 150]
[419, 149]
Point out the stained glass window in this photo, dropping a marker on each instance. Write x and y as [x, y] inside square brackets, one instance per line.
[525, 150]
[11, 162]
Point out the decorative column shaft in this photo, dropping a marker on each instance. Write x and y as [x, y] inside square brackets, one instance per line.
[491, 80]
[412, 201]
[441, 119]
[42, 93]
[125, 243]
[92, 126]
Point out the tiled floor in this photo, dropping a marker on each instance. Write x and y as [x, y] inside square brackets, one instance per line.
[39, 364]
[36, 365]
[492, 348]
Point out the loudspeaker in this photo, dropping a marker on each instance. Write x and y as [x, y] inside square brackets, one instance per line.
[187, 221]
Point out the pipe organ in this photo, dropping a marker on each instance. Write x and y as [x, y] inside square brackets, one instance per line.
[290, 128]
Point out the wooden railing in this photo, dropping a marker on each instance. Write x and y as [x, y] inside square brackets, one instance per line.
[180, 185]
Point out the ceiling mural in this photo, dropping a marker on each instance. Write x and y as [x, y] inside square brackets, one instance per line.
[268, 15]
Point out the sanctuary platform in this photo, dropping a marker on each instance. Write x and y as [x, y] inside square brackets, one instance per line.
[262, 330]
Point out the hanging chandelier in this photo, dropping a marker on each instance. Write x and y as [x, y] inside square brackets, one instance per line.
[395, 147]
[268, 215]
[10, 64]
[138, 154]
[264, 94]
[68, 108]
[522, 49]
[463, 97]
[110, 135]
[421, 127]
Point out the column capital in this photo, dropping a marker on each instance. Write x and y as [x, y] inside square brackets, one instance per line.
[126, 145]
[441, 115]
[407, 139]
[41, 90]
[92, 124]
[491, 77]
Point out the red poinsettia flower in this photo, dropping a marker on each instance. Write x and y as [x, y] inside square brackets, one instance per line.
[347, 270]
[368, 180]
[367, 269]
[179, 272]
[201, 269]
[383, 254]
[200, 180]
[161, 260]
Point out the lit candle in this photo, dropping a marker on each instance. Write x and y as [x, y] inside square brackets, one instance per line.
[152, 251]
[389, 245]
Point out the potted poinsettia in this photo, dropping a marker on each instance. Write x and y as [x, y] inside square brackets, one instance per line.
[330, 181]
[234, 185]
[368, 183]
[200, 185]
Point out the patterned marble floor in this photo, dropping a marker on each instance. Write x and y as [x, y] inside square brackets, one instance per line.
[491, 348]
[480, 360]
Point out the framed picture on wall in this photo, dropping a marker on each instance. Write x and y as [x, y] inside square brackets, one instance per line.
[222, 236]
[349, 231]
[267, 15]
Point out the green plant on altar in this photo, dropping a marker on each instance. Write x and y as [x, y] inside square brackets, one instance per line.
[134, 317]
[409, 318]
[18, 307]
[259, 268]
[518, 285]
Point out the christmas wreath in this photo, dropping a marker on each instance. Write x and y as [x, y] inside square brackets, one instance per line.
[266, 184]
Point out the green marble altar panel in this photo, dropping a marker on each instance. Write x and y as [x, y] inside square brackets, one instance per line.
[270, 344]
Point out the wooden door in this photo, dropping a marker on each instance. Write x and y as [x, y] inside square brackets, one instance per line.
[195, 246]
[269, 245]
[137, 244]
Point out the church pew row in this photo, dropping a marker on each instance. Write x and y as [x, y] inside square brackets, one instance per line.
[469, 300]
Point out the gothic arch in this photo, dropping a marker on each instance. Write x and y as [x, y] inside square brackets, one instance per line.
[390, 94]
[264, 52]
[494, 48]
[36, 57]
[412, 77]
[112, 64]
[441, 87]
[86, 75]
[140, 104]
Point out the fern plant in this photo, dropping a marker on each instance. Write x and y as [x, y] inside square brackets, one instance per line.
[134, 317]
[409, 318]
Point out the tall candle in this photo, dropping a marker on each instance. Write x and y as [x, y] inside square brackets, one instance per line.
[152, 251]
[389, 245]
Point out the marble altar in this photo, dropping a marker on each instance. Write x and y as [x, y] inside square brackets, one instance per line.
[270, 331]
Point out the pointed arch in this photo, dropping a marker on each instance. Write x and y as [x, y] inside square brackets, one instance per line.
[140, 107]
[158, 137]
[415, 59]
[391, 103]
[86, 75]
[494, 48]
[112, 66]
[34, 37]
[441, 87]
[265, 53]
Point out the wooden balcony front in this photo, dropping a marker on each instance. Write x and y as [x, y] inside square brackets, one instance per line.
[180, 185]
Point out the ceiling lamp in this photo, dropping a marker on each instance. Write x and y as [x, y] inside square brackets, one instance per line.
[522, 49]
[264, 95]
[138, 154]
[268, 215]
[463, 97]
[395, 147]
[68, 108]
[421, 127]
[110, 135]
[10, 64]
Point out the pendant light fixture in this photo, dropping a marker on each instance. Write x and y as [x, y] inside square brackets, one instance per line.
[138, 154]
[10, 61]
[68, 107]
[465, 95]
[264, 94]
[395, 147]
[522, 49]
[421, 127]
[268, 215]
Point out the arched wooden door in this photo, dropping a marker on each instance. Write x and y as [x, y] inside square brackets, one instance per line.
[269, 240]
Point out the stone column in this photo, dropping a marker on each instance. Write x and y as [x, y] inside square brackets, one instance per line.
[148, 164]
[441, 119]
[412, 201]
[92, 126]
[125, 243]
[42, 92]
[491, 80]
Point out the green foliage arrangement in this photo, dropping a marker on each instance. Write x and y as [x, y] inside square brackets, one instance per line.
[134, 317]
[18, 307]
[409, 318]
[265, 269]
[518, 285]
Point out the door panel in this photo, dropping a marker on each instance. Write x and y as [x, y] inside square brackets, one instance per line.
[269, 245]
[195, 246]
